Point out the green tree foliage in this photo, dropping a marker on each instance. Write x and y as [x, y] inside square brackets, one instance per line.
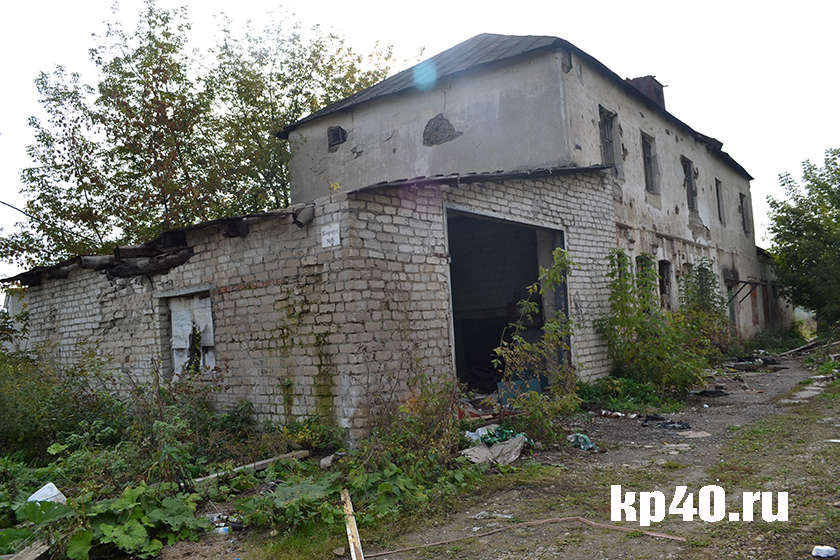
[266, 81]
[167, 139]
[805, 227]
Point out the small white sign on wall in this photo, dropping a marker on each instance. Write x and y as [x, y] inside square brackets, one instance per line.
[330, 236]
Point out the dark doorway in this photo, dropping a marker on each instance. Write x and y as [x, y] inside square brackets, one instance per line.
[492, 264]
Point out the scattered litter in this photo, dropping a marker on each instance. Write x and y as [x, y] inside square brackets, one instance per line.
[831, 440]
[503, 453]
[499, 435]
[824, 551]
[480, 407]
[651, 418]
[675, 425]
[581, 441]
[48, 493]
[223, 524]
[476, 435]
[488, 515]
[712, 393]
[694, 434]
[611, 414]
[705, 406]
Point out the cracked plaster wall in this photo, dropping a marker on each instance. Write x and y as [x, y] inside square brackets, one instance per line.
[503, 117]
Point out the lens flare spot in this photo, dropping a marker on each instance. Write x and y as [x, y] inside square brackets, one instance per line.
[425, 75]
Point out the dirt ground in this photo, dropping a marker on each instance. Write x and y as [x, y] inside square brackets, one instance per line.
[523, 522]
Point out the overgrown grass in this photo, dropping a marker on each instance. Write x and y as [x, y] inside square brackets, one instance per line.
[621, 394]
[771, 343]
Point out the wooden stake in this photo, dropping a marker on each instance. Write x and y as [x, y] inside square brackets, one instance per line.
[352, 532]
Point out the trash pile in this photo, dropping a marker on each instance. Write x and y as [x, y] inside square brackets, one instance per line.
[495, 445]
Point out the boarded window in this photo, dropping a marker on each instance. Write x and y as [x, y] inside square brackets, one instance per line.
[192, 334]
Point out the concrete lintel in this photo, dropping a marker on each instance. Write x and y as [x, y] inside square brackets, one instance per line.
[185, 291]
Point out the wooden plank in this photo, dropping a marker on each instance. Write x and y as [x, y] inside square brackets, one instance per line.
[352, 531]
[257, 466]
[32, 552]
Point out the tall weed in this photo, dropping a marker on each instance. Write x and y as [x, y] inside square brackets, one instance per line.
[647, 343]
[544, 357]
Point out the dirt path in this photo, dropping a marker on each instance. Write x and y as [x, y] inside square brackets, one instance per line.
[641, 457]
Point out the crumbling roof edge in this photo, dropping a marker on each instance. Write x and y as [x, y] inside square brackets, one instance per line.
[34, 274]
[455, 179]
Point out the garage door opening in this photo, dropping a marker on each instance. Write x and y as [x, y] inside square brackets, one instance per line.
[492, 264]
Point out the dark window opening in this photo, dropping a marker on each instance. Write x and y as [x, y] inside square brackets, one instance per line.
[335, 136]
[665, 284]
[491, 265]
[647, 159]
[744, 210]
[719, 195]
[607, 143]
[688, 183]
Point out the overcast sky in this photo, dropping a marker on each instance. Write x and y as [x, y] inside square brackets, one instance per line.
[763, 80]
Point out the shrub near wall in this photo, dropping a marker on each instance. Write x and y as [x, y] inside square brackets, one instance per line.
[649, 344]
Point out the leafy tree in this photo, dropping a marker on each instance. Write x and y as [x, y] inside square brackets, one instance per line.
[806, 238]
[166, 139]
[267, 81]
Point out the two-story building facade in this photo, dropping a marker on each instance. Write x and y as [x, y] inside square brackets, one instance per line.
[422, 209]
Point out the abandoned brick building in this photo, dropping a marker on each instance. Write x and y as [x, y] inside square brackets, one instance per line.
[422, 208]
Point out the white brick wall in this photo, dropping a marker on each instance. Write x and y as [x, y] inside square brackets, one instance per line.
[302, 330]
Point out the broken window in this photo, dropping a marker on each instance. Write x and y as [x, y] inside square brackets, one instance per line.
[719, 195]
[607, 143]
[665, 284]
[688, 183]
[743, 209]
[192, 334]
[335, 136]
[647, 160]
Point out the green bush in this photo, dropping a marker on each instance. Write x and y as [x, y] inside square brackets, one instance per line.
[44, 402]
[649, 344]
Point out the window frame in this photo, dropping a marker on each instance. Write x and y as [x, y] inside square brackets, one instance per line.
[607, 128]
[719, 198]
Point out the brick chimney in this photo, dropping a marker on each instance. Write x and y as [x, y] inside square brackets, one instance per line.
[649, 86]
